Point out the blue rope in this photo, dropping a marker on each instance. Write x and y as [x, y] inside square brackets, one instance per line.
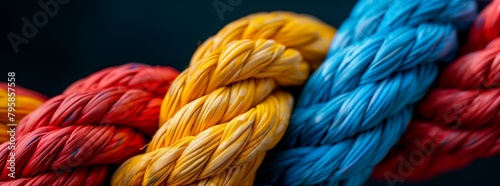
[358, 103]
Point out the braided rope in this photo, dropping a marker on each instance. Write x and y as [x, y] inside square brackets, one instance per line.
[357, 104]
[25, 102]
[89, 126]
[81, 176]
[223, 112]
[459, 118]
[485, 29]
[130, 76]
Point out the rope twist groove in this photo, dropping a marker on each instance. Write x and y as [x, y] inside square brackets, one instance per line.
[357, 104]
[459, 118]
[100, 120]
[223, 112]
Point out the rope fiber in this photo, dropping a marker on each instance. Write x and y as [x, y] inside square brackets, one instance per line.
[357, 104]
[26, 101]
[459, 119]
[100, 120]
[224, 111]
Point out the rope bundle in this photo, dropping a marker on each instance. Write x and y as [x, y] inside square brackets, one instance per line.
[223, 112]
[25, 102]
[460, 117]
[357, 104]
[72, 137]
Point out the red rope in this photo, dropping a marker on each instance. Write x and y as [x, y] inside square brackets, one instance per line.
[116, 105]
[133, 75]
[485, 29]
[99, 120]
[460, 117]
[81, 176]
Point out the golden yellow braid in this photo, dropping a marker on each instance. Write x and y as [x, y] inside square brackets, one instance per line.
[223, 112]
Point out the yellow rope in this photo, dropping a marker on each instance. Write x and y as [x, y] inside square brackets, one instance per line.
[223, 112]
[24, 104]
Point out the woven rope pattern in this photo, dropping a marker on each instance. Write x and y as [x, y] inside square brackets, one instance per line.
[102, 124]
[357, 104]
[459, 118]
[223, 112]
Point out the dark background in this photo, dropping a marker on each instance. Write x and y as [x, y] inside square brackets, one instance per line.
[86, 36]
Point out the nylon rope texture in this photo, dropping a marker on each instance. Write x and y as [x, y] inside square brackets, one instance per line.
[459, 120]
[26, 101]
[100, 120]
[358, 103]
[224, 111]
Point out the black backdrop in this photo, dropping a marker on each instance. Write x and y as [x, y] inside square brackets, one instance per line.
[86, 36]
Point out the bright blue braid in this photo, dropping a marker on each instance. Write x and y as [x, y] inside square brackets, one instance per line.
[357, 104]
[377, 16]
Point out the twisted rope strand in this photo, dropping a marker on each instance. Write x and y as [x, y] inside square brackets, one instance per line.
[357, 104]
[486, 28]
[459, 118]
[113, 105]
[89, 126]
[371, 17]
[26, 101]
[80, 177]
[130, 76]
[223, 113]
[50, 148]
[283, 27]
